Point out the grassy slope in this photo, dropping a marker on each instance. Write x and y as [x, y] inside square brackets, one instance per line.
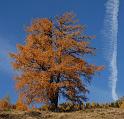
[112, 113]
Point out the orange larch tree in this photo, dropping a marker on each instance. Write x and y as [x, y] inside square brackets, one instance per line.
[51, 62]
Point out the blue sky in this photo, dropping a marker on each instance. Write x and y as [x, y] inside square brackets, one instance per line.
[15, 15]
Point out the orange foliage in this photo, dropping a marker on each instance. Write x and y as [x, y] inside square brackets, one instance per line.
[51, 61]
[4, 104]
[20, 105]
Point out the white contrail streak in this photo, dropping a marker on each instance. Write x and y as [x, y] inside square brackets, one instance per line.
[110, 33]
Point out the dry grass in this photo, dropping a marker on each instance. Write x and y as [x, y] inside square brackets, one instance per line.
[111, 113]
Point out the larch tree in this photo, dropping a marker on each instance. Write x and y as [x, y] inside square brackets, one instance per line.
[51, 62]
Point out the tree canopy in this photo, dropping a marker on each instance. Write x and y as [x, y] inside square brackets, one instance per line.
[51, 62]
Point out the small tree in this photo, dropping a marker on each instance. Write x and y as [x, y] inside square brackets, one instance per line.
[93, 105]
[51, 61]
[20, 105]
[5, 103]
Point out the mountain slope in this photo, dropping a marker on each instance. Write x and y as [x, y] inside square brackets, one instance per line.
[111, 113]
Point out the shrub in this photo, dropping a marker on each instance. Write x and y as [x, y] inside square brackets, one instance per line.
[122, 105]
[4, 105]
[93, 105]
[112, 104]
[77, 107]
[97, 105]
[45, 108]
[117, 105]
[21, 106]
[106, 105]
[13, 106]
[82, 106]
[66, 107]
[88, 105]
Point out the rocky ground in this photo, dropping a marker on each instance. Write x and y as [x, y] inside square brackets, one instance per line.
[112, 113]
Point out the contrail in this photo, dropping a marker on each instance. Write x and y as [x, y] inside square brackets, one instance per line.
[110, 34]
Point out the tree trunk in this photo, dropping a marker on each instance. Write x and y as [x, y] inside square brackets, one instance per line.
[54, 102]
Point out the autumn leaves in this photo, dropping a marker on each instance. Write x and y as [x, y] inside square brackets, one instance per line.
[50, 62]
